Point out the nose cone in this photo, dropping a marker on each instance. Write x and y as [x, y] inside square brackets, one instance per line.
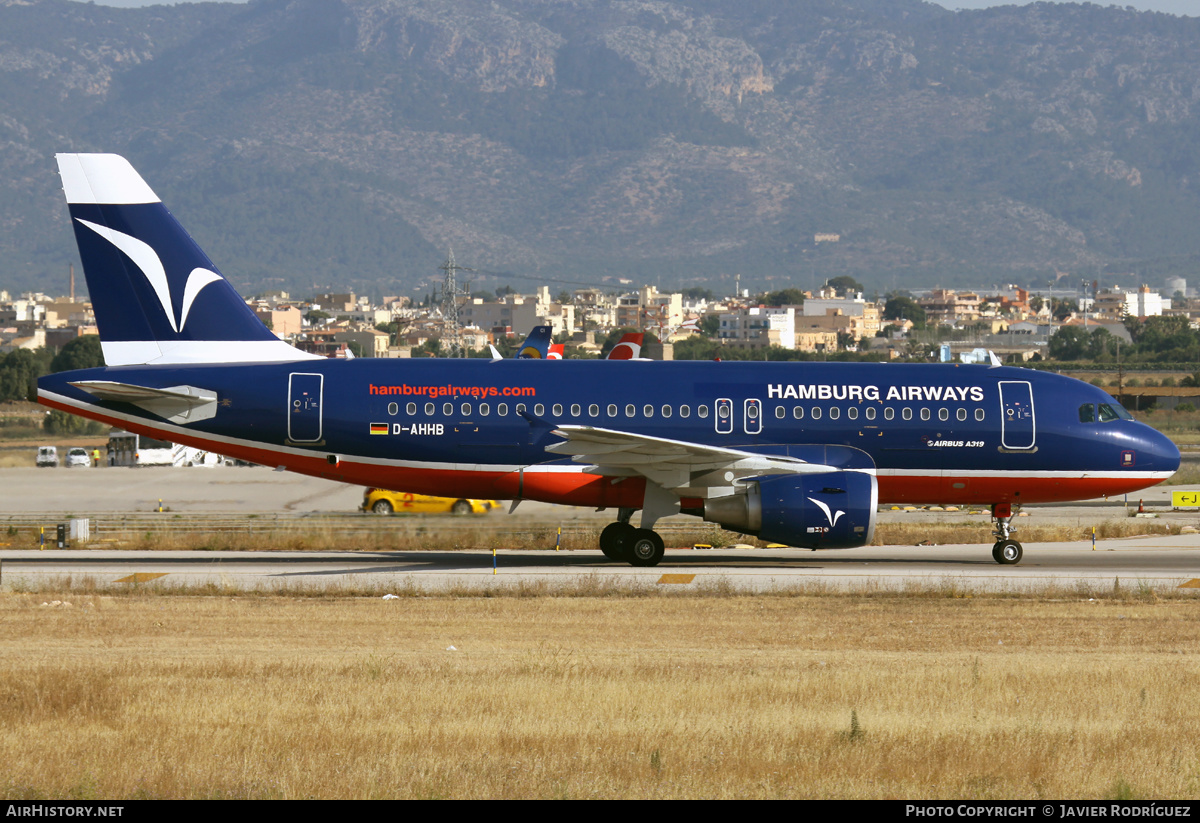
[1156, 452]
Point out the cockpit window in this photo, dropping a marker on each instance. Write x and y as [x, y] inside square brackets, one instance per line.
[1103, 413]
[1113, 411]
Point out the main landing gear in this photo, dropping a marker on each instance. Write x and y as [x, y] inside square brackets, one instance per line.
[1006, 551]
[622, 542]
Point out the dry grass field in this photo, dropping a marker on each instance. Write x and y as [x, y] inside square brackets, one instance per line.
[621, 694]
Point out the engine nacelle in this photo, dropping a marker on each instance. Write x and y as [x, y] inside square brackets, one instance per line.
[832, 510]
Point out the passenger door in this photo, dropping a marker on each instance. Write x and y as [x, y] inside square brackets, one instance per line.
[1017, 426]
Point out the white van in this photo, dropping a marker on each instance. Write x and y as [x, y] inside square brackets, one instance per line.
[47, 456]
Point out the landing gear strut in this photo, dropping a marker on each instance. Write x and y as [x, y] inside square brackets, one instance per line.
[622, 542]
[1006, 551]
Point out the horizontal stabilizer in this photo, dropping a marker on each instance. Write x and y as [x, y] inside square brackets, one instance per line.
[179, 404]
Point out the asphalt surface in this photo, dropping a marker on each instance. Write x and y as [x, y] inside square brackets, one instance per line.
[1148, 561]
[1158, 563]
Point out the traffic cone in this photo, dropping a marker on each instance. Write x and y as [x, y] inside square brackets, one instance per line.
[1141, 508]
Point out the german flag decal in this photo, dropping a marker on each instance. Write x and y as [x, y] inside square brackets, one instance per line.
[379, 428]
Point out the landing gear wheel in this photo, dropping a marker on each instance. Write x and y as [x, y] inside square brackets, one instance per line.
[615, 540]
[382, 507]
[461, 507]
[1007, 552]
[646, 548]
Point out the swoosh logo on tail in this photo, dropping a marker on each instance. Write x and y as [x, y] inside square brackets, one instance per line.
[151, 267]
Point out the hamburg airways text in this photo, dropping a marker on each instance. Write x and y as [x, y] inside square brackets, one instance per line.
[846, 392]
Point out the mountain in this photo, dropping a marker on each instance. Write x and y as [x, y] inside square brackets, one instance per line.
[348, 143]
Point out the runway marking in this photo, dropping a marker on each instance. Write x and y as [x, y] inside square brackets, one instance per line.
[1194, 583]
[677, 578]
[141, 577]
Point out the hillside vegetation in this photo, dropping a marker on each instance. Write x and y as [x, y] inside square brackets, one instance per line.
[347, 144]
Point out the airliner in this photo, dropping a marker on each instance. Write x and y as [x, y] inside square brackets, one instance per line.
[801, 454]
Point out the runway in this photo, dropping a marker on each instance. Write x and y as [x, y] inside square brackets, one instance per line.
[1151, 562]
[196, 496]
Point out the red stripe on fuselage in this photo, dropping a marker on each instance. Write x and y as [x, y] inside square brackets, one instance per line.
[987, 490]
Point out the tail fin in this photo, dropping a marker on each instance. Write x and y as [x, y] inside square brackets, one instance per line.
[629, 348]
[537, 344]
[156, 295]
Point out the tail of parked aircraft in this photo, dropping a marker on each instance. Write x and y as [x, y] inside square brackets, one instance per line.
[629, 348]
[537, 344]
[156, 295]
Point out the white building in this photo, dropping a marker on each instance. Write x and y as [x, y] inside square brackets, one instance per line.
[760, 326]
[1145, 303]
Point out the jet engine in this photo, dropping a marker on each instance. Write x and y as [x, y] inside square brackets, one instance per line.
[830, 510]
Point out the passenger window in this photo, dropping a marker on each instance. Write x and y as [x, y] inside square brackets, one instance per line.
[484, 409]
[852, 412]
[612, 410]
[962, 414]
[835, 413]
[666, 411]
[466, 409]
[557, 410]
[979, 414]
[576, 410]
[447, 409]
[393, 408]
[502, 409]
[429, 407]
[411, 408]
[702, 411]
[798, 412]
[1087, 413]
[906, 413]
[889, 413]
[780, 412]
[539, 410]
[924, 414]
[685, 411]
[594, 410]
[816, 413]
[943, 414]
[630, 410]
[520, 408]
[648, 410]
[870, 412]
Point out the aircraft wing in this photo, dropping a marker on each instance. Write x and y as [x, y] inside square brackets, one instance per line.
[686, 468]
